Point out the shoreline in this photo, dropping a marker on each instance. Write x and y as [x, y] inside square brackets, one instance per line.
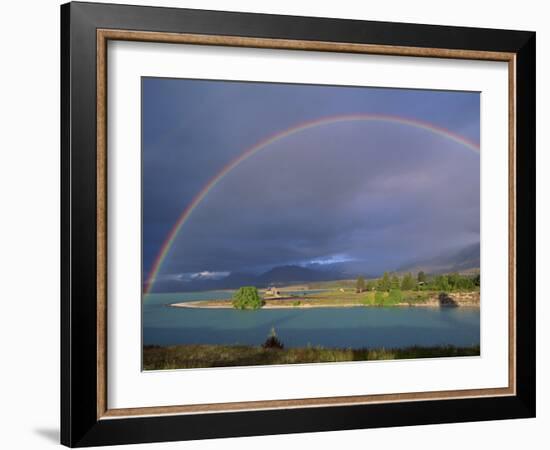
[198, 305]
[201, 304]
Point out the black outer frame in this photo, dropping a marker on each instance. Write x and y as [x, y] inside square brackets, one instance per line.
[79, 423]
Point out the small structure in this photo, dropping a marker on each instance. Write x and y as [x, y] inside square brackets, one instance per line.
[273, 291]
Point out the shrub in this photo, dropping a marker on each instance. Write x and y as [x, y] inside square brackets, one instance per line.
[379, 298]
[395, 296]
[446, 300]
[273, 341]
[247, 298]
[408, 282]
[368, 300]
[371, 285]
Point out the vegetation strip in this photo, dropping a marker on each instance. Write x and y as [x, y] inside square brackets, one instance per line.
[199, 356]
[390, 290]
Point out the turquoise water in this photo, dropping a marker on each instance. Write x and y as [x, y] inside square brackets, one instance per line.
[328, 327]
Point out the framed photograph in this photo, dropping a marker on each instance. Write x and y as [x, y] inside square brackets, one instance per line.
[276, 224]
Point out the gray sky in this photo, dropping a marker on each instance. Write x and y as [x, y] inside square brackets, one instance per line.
[363, 195]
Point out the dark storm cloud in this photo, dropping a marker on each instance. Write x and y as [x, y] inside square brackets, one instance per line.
[374, 194]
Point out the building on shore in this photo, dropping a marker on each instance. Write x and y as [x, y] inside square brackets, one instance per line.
[273, 291]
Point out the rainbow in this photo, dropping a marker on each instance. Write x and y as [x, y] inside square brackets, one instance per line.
[171, 236]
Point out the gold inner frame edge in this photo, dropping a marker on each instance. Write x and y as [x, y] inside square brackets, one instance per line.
[104, 35]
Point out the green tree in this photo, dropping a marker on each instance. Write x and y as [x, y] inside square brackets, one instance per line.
[408, 284]
[371, 285]
[466, 283]
[454, 280]
[442, 283]
[460, 282]
[384, 283]
[394, 284]
[247, 297]
[421, 277]
[360, 284]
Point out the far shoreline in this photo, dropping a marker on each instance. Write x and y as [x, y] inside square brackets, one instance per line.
[204, 304]
[461, 292]
[200, 305]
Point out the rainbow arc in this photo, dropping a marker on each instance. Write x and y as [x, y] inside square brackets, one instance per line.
[188, 211]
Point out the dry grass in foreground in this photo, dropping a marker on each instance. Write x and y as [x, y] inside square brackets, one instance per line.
[197, 356]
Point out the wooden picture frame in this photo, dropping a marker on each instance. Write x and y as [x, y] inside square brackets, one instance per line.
[86, 418]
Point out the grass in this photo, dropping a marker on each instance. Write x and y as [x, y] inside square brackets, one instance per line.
[368, 298]
[198, 356]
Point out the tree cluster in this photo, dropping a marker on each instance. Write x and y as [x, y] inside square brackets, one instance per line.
[247, 297]
[443, 283]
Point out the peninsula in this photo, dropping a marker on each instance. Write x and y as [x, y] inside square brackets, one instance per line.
[451, 290]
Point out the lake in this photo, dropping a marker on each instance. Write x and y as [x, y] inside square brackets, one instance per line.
[329, 327]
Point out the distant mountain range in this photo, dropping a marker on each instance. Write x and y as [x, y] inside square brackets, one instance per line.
[461, 260]
[279, 276]
[464, 259]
